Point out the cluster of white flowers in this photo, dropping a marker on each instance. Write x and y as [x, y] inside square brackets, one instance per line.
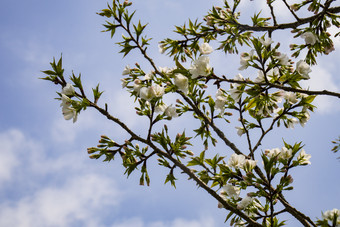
[240, 131]
[68, 111]
[235, 93]
[282, 153]
[310, 38]
[148, 93]
[169, 111]
[331, 214]
[303, 69]
[285, 153]
[201, 66]
[245, 57]
[205, 49]
[305, 117]
[181, 82]
[303, 158]
[266, 41]
[231, 191]
[220, 102]
[283, 58]
[239, 161]
[245, 202]
[270, 74]
[161, 48]
[126, 71]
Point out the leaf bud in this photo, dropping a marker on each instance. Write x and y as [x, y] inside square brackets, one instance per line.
[105, 137]
[290, 178]
[189, 152]
[94, 156]
[91, 150]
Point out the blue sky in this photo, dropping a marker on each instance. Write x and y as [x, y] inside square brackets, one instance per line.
[46, 177]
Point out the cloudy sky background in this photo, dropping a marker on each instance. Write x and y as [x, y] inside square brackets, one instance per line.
[46, 178]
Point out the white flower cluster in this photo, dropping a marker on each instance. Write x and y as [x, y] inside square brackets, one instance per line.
[285, 154]
[239, 161]
[331, 214]
[201, 66]
[310, 38]
[68, 111]
[231, 191]
[181, 82]
[220, 102]
[235, 92]
[169, 111]
[148, 93]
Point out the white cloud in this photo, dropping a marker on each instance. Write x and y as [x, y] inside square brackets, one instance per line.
[79, 199]
[58, 191]
[178, 222]
[321, 79]
[13, 142]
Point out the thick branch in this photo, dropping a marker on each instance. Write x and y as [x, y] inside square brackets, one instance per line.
[308, 92]
[292, 25]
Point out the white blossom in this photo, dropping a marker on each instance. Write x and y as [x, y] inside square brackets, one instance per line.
[273, 72]
[260, 77]
[200, 67]
[231, 191]
[146, 93]
[285, 153]
[270, 74]
[164, 70]
[249, 164]
[240, 131]
[235, 94]
[291, 122]
[330, 215]
[148, 76]
[161, 48]
[329, 49]
[246, 201]
[240, 223]
[303, 69]
[283, 58]
[170, 111]
[137, 85]
[272, 153]
[124, 82]
[236, 160]
[65, 101]
[69, 113]
[290, 97]
[304, 158]
[68, 89]
[220, 102]
[158, 90]
[126, 70]
[266, 42]
[181, 82]
[244, 58]
[161, 108]
[205, 49]
[305, 117]
[238, 77]
[310, 38]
